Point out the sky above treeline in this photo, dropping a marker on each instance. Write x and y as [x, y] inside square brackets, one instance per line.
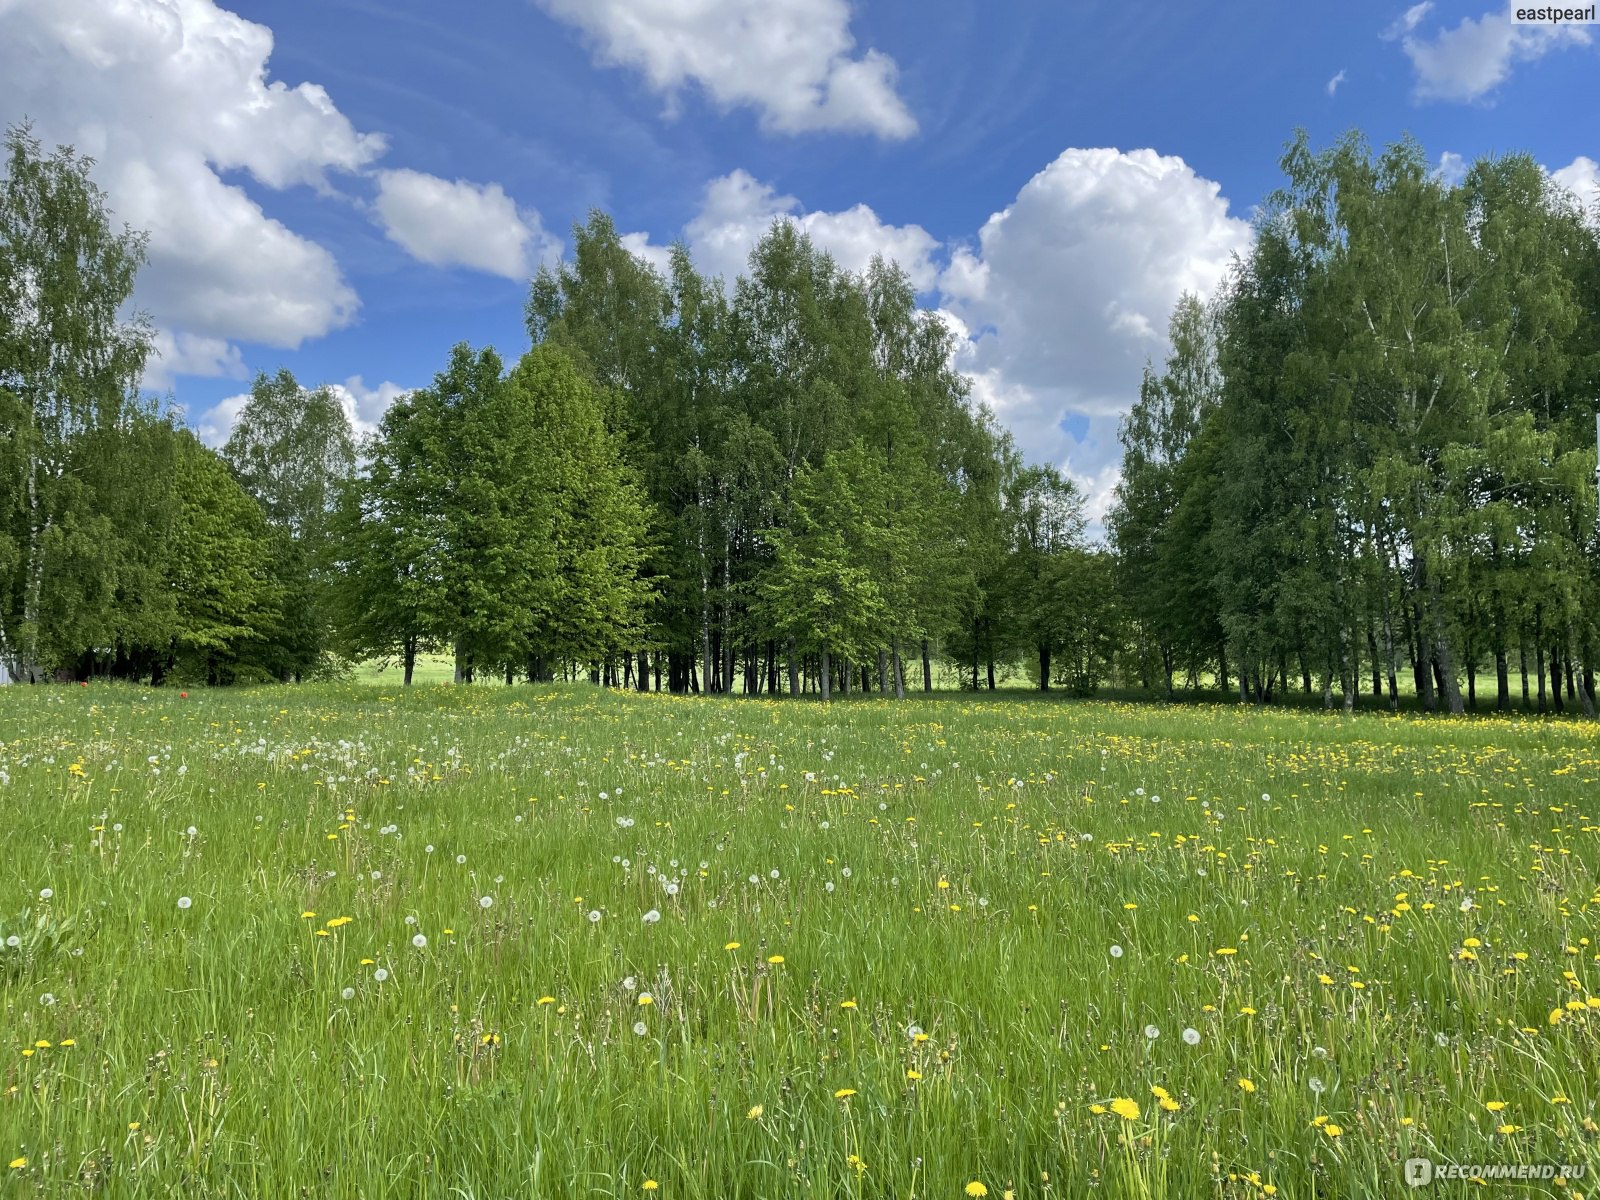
[348, 187]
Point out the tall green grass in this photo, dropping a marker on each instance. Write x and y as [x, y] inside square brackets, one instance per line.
[909, 950]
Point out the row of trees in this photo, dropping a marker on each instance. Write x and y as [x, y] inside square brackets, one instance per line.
[1373, 454]
[776, 484]
[1367, 455]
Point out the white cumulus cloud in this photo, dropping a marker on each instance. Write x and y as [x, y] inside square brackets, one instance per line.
[174, 354]
[1469, 60]
[1581, 177]
[738, 209]
[457, 223]
[793, 61]
[1068, 290]
[166, 95]
[363, 405]
[174, 99]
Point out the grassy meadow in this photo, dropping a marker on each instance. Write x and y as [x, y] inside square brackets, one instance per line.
[492, 942]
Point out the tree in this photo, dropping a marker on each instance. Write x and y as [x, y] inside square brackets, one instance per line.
[69, 363]
[293, 450]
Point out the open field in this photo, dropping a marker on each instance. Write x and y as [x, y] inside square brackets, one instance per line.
[484, 942]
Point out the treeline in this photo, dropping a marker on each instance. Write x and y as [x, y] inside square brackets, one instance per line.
[1370, 463]
[1366, 457]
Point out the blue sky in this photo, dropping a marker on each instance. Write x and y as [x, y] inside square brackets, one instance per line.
[348, 187]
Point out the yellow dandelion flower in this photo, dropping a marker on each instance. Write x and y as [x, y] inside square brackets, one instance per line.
[913, 1074]
[731, 946]
[547, 999]
[18, 1163]
[1168, 1104]
[1127, 1109]
[1495, 1106]
[976, 1189]
[755, 1112]
[844, 1093]
[1247, 1085]
[775, 960]
[1508, 1128]
[651, 1185]
[1332, 1130]
[1098, 1110]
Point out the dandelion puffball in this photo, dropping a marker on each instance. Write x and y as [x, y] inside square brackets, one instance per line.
[1116, 951]
[1191, 1036]
[380, 974]
[420, 941]
[1152, 1032]
[45, 893]
[349, 993]
[184, 902]
[485, 901]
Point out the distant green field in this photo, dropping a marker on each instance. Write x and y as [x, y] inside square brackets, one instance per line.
[491, 942]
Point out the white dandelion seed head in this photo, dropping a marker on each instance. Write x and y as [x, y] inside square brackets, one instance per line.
[651, 917]
[46, 893]
[630, 983]
[828, 887]
[348, 993]
[1152, 1032]
[377, 875]
[1191, 1036]
[13, 941]
[1266, 797]
[117, 828]
[420, 941]
[845, 871]
[485, 901]
[1316, 1085]
[640, 1028]
[1319, 1052]
[411, 920]
[47, 999]
[461, 860]
[1116, 951]
[773, 873]
[594, 916]
[192, 831]
[428, 849]
[184, 902]
[381, 974]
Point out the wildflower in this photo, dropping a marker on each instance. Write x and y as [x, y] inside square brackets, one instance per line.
[485, 901]
[547, 1000]
[1127, 1109]
[844, 1093]
[731, 946]
[976, 1189]
[348, 993]
[1247, 1085]
[645, 998]
[1495, 1106]
[1152, 1032]
[640, 1028]
[651, 1185]
[776, 960]
[18, 1163]
[1116, 951]
[651, 917]
[380, 974]
[184, 902]
[913, 1074]
[1191, 1036]
[755, 1112]
[420, 941]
